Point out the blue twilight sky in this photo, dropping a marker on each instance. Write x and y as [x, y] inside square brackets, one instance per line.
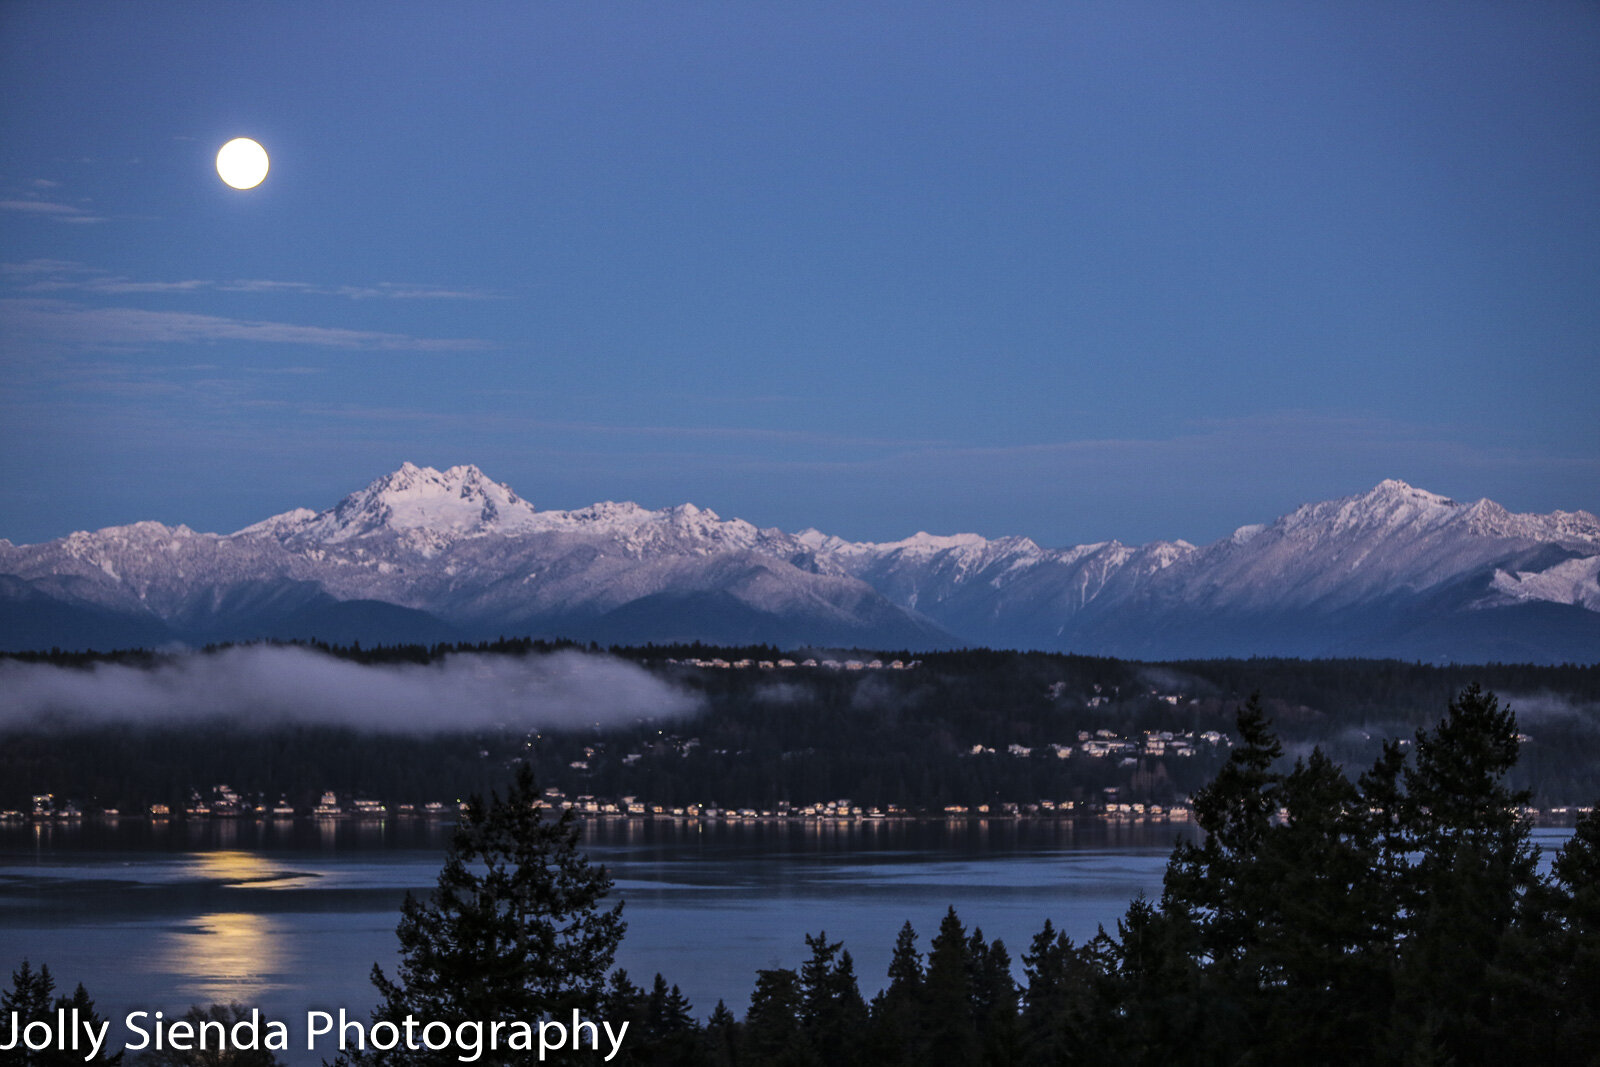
[1070, 270]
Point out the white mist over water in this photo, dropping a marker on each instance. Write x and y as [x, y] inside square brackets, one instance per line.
[270, 685]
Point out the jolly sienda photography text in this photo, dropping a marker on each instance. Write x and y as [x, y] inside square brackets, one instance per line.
[69, 1031]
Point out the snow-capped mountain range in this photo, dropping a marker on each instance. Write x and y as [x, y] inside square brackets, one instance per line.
[427, 555]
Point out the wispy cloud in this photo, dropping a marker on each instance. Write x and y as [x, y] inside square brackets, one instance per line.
[55, 275]
[399, 291]
[39, 207]
[377, 291]
[34, 267]
[121, 285]
[63, 321]
[50, 209]
[259, 686]
[260, 285]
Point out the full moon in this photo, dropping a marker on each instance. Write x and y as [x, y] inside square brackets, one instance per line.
[242, 163]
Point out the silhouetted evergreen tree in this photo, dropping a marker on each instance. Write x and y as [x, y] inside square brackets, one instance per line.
[670, 1037]
[832, 1013]
[1576, 952]
[80, 1002]
[1467, 888]
[624, 1002]
[1216, 900]
[895, 1035]
[1168, 1012]
[514, 929]
[948, 1018]
[994, 1000]
[722, 1037]
[773, 1035]
[1320, 966]
[1398, 919]
[1066, 1015]
[1216, 882]
[32, 997]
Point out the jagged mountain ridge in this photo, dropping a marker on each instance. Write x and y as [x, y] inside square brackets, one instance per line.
[1394, 571]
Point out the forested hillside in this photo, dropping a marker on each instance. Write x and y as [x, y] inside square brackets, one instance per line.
[957, 729]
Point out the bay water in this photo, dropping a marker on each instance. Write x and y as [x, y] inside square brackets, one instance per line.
[291, 916]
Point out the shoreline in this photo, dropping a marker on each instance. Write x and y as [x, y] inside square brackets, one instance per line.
[1548, 817]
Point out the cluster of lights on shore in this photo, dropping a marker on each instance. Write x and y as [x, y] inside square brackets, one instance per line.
[242, 163]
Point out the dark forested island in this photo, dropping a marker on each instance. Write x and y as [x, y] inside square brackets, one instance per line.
[783, 731]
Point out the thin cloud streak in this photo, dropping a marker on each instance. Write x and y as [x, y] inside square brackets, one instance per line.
[60, 212]
[54, 275]
[43, 266]
[398, 291]
[128, 287]
[260, 686]
[62, 321]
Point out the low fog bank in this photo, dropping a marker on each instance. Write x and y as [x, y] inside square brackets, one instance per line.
[1171, 680]
[271, 685]
[1546, 708]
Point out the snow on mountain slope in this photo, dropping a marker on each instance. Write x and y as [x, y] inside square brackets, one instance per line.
[1394, 539]
[1573, 581]
[1371, 545]
[458, 548]
[427, 507]
[426, 511]
[145, 567]
[466, 550]
[1338, 558]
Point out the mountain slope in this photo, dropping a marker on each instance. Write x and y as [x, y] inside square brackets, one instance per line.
[430, 555]
[449, 555]
[1366, 574]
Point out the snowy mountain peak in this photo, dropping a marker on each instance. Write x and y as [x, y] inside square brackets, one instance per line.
[689, 515]
[816, 541]
[420, 503]
[1393, 494]
[1389, 505]
[1396, 487]
[411, 480]
[1245, 534]
[1393, 505]
[924, 543]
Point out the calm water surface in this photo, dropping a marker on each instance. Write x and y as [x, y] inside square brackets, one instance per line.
[291, 916]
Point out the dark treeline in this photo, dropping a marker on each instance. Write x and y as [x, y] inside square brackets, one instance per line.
[1395, 919]
[799, 736]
